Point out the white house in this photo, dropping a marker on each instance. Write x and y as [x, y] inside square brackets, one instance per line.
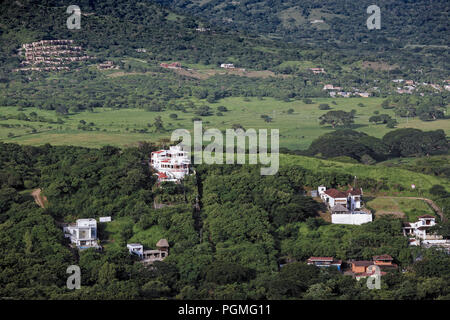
[172, 164]
[150, 256]
[345, 207]
[333, 197]
[354, 199]
[418, 232]
[83, 233]
[136, 248]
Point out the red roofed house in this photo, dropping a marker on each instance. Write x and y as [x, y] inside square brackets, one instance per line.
[345, 207]
[384, 261]
[334, 197]
[362, 268]
[324, 262]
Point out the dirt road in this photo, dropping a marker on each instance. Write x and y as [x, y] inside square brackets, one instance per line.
[38, 198]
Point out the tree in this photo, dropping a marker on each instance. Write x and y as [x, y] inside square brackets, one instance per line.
[318, 291]
[337, 118]
[158, 124]
[324, 106]
[107, 273]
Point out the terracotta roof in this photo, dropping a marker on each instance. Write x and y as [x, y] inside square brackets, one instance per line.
[354, 192]
[362, 263]
[162, 243]
[162, 175]
[427, 216]
[383, 257]
[335, 193]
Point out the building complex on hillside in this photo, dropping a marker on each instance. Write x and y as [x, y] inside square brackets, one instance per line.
[419, 234]
[325, 262]
[83, 233]
[363, 268]
[171, 165]
[148, 257]
[50, 55]
[345, 207]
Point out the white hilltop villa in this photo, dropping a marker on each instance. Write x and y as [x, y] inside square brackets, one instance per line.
[346, 207]
[172, 165]
[83, 233]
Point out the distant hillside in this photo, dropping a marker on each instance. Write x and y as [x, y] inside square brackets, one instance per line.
[118, 28]
[339, 22]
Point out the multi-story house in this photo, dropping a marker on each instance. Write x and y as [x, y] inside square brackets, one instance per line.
[83, 233]
[172, 164]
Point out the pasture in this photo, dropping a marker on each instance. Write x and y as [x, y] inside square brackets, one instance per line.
[297, 122]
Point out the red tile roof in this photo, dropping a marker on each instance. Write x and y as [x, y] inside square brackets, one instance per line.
[362, 263]
[335, 193]
[162, 175]
[354, 192]
[427, 216]
[383, 257]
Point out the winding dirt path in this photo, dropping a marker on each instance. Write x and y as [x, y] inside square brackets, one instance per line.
[38, 198]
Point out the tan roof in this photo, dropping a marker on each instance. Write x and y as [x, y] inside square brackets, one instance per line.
[162, 243]
[330, 259]
[427, 216]
[339, 208]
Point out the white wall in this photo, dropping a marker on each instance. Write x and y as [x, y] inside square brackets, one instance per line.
[351, 218]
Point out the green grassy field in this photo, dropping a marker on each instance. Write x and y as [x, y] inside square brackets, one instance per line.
[409, 209]
[392, 176]
[148, 237]
[121, 127]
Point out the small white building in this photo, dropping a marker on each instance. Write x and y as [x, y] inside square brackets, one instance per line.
[136, 248]
[227, 65]
[148, 257]
[418, 232]
[104, 219]
[354, 199]
[172, 165]
[83, 233]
